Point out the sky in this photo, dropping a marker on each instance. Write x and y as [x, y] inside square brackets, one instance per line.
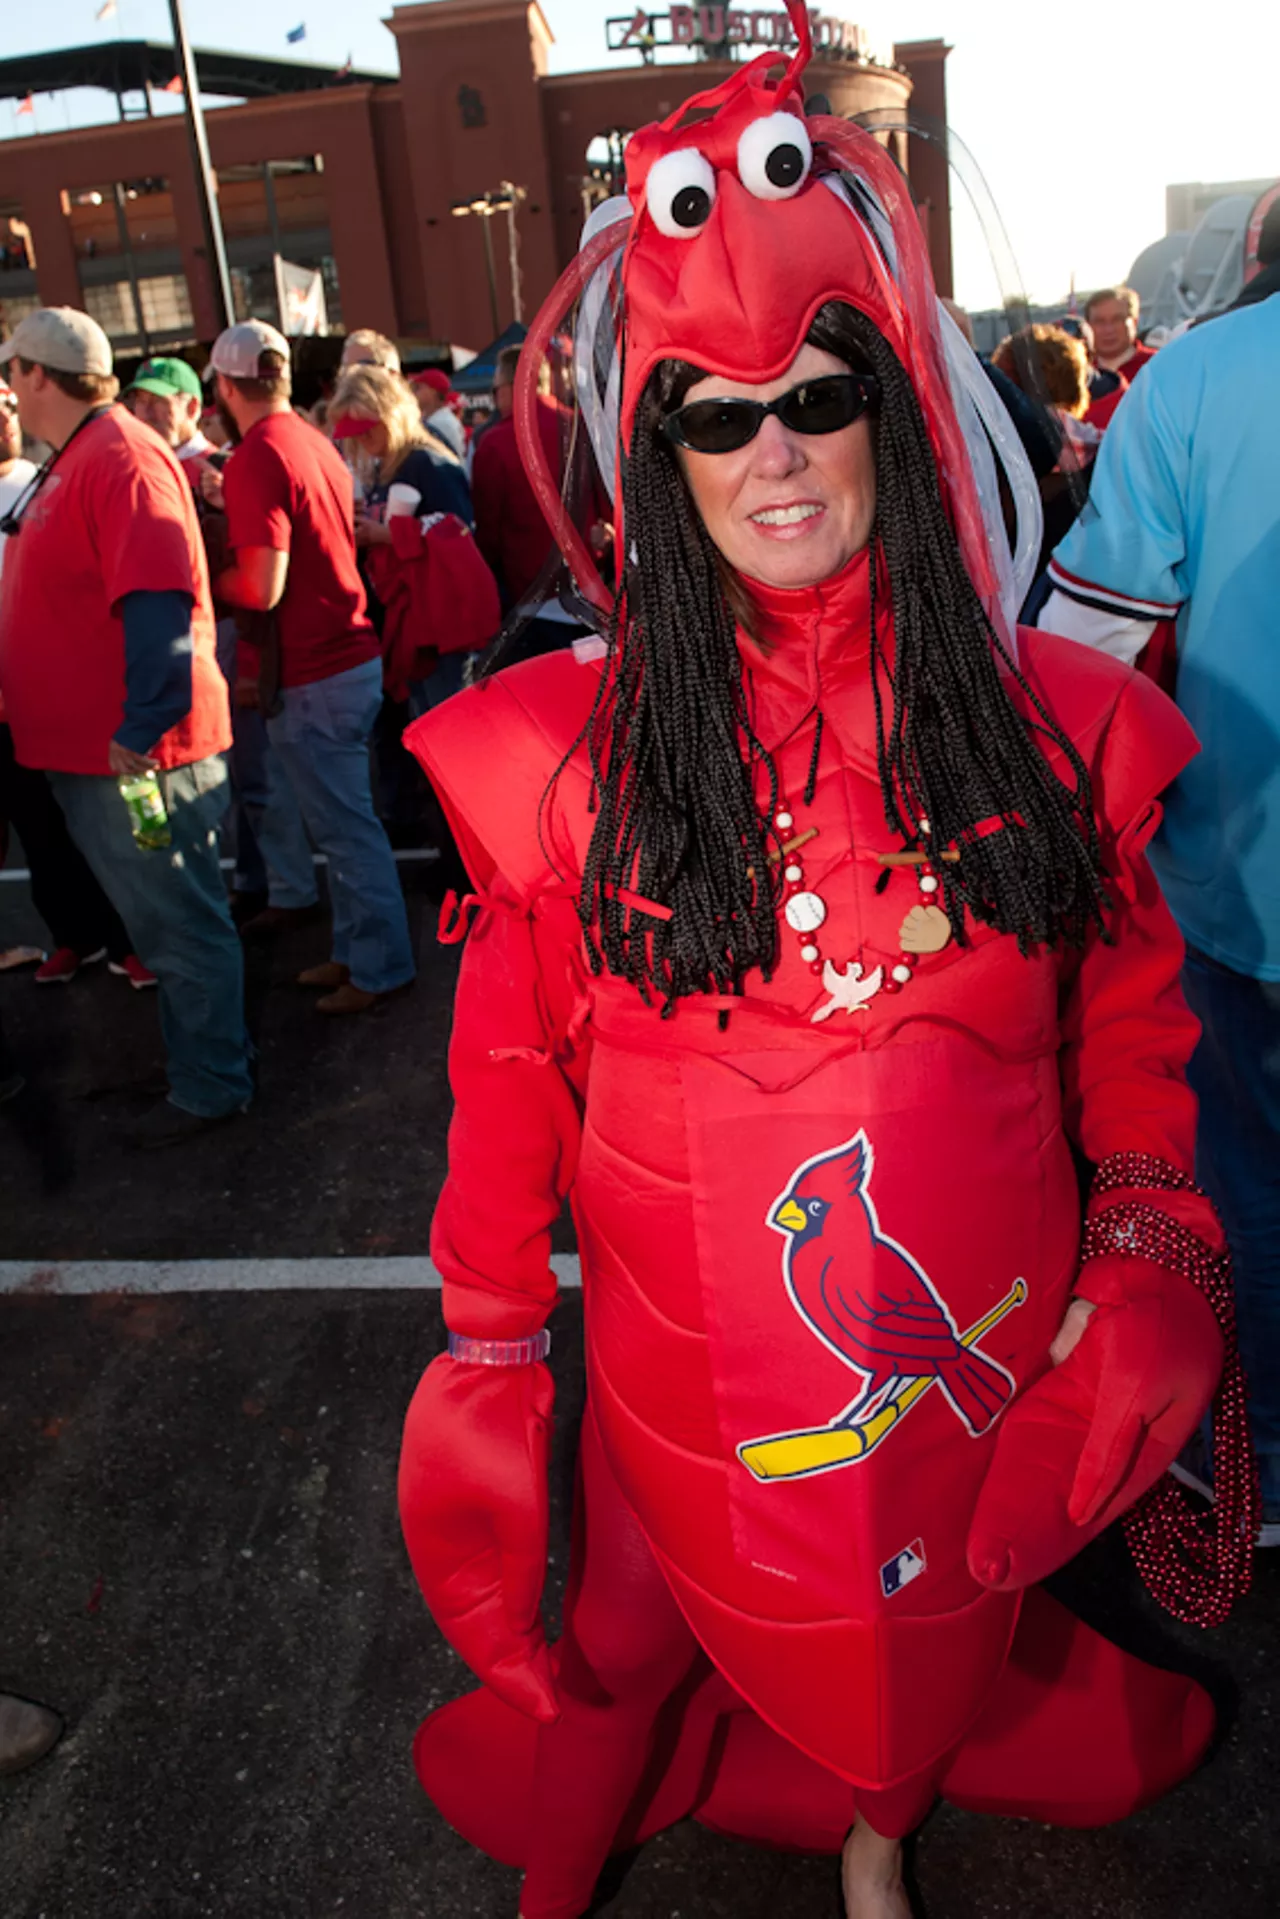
[1075, 128]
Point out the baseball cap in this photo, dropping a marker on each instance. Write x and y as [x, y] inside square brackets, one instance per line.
[167, 378]
[236, 352]
[435, 377]
[62, 338]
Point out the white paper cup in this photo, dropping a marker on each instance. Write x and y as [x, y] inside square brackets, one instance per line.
[402, 499]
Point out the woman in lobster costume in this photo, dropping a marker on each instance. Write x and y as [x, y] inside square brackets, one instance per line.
[811, 932]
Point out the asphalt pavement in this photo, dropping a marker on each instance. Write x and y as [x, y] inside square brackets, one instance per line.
[200, 1564]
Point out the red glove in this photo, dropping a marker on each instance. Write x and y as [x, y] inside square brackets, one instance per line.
[473, 1508]
[1095, 1433]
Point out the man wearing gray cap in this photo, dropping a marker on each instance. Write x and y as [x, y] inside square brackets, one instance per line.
[107, 670]
[290, 519]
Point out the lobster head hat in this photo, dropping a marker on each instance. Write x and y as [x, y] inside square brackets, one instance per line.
[743, 216]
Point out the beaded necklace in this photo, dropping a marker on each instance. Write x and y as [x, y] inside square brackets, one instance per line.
[926, 928]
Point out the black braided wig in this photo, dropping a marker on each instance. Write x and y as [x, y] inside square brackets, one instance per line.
[674, 760]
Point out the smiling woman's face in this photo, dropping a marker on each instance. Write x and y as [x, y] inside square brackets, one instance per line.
[788, 509]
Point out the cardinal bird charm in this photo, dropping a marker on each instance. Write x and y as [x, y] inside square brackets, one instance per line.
[849, 990]
[875, 1308]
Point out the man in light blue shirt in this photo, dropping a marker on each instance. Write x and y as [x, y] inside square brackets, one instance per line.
[1184, 522]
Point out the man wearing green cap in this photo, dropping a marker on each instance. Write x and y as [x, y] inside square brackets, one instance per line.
[168, 398]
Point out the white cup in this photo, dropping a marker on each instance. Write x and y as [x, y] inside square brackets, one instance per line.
[402, 499]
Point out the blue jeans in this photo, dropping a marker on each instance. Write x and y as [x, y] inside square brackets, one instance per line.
[1235, 1072]
[174, 904]
[425, 695]
[273, 853]
[322, 739]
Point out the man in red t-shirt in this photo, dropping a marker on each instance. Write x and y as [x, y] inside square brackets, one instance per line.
[107, 669]
[291, 519]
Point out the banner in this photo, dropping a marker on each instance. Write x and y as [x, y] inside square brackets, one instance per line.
[300, 291]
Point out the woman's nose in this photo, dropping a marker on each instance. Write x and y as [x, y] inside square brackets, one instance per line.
[777, 451]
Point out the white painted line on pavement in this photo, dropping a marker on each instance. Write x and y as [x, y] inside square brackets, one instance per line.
[65, 1276]
[403, 855]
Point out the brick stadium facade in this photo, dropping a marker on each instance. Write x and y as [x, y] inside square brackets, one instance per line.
[360, 180]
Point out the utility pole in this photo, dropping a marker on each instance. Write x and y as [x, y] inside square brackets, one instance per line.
[504, 198]
[206, 183]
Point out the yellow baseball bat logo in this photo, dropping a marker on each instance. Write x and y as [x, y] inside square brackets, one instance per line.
[818, 1448]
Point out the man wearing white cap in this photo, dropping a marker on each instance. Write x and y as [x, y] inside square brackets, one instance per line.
[107, 670]
[291, 518]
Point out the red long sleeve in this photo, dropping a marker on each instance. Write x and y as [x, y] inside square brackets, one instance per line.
[513, 1141]
[1127, 1033]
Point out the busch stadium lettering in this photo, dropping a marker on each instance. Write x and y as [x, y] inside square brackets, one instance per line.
[730, 26]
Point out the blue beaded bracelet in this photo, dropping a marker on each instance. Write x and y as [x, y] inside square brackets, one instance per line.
[499, 1352]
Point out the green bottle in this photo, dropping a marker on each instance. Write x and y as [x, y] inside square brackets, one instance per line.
[141, 794]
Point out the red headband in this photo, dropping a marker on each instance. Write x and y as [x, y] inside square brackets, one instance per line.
[352, 426]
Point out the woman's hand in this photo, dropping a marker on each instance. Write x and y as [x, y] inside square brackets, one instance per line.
[372, 532]
[1071, 1331]
[1134, 1372]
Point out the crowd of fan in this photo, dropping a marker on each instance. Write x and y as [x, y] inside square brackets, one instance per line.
[277, 594]
[205, 587]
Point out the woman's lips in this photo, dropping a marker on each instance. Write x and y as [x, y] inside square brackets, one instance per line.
[797, 520]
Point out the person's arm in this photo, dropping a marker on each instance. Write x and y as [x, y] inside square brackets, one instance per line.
[473, 1466]
[259, 505]
[1122, 635]
[1119, 571]
[1139, 1355]
[256, 580]
[153, 576]
[157, 672]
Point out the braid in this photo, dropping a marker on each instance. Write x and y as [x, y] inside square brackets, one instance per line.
[955, 751]
[674, 759]
[673, 754]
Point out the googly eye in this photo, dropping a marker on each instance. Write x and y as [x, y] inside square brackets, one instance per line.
[680, 192]
[774, 155]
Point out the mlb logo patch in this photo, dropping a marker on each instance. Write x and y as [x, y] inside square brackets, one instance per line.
[902, 1568]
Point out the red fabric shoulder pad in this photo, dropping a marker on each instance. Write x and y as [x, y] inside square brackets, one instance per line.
[1132, 737]
[491, 752]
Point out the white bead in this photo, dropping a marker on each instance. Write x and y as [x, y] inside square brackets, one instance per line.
[928, 884]
[793, 872]
[805, 912]
[923, 825]
[809, 954]
[782, 821]
[902, 974]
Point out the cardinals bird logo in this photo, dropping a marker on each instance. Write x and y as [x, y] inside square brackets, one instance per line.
[875, 1308]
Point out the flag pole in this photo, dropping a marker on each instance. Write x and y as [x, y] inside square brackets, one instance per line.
[205, 180]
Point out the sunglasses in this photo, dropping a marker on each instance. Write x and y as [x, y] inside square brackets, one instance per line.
[816, 406]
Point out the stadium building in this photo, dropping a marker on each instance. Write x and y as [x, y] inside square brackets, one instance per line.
[437, 206]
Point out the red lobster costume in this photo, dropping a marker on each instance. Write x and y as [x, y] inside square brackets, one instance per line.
[829, 1226]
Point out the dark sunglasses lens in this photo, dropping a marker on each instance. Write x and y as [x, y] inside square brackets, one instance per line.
[823, 406]
[716, 426]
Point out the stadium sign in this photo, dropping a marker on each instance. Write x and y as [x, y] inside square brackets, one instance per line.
[720, 26]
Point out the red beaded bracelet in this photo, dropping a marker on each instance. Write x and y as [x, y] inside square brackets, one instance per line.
[1196, 1567]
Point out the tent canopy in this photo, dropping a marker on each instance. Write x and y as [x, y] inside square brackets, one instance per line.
[477, 375]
